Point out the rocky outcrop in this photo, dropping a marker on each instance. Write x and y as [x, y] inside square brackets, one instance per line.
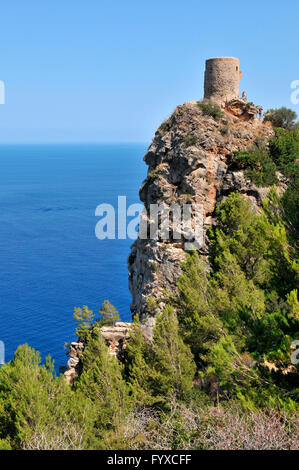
[188, 163]
[73, 364]
[243, 109]
[116, 337]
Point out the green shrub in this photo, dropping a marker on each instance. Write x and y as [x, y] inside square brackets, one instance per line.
[152, 176]
[39, 411]
[241, 308]
[154, 267]
[151, 304]
[109, 314]
[165, 126]
[163, 369]
[173, 363]
[190, 140]
[284, 148]
[257, 163]
[290, 201]
[210, 109]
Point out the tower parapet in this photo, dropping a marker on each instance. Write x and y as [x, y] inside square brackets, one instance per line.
[222, 76]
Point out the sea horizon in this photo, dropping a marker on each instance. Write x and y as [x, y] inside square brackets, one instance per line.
[120, 142]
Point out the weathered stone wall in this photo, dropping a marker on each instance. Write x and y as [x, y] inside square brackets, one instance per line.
[222, 76]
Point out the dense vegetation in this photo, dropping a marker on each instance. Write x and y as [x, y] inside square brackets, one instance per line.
[218, 373]
[265, 162]
[241, 317]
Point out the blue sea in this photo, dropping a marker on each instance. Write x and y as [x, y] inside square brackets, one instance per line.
[51, 260]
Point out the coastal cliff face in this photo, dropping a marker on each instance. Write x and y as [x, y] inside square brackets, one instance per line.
[189, 163]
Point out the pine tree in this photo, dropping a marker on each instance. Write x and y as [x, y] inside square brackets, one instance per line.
[102, 382]
[139, 355]
[164, 368]
[173, 364]
[109, 314]
[200, 325]
[85, 318]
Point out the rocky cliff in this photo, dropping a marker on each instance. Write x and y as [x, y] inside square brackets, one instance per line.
[189, 163]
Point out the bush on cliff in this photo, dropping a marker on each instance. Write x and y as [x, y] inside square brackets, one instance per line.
[257, 164]
[211, 109]
[284, 148]
[261, 162]
[290, 202]
[200, 325]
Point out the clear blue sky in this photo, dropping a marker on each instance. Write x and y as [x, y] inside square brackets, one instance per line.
[97, 70]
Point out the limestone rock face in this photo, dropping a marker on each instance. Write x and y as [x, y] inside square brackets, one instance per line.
[242, 109]
[188, 163]
[116, 337]
[73, 364]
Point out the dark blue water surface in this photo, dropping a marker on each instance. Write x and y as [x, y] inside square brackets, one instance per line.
[51, 259]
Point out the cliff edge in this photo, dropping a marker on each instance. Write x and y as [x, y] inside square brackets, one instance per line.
[189, 162]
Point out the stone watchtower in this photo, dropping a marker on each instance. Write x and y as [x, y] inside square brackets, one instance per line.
[222, 78]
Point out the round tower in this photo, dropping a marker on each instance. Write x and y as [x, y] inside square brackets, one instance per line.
[222, 78]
